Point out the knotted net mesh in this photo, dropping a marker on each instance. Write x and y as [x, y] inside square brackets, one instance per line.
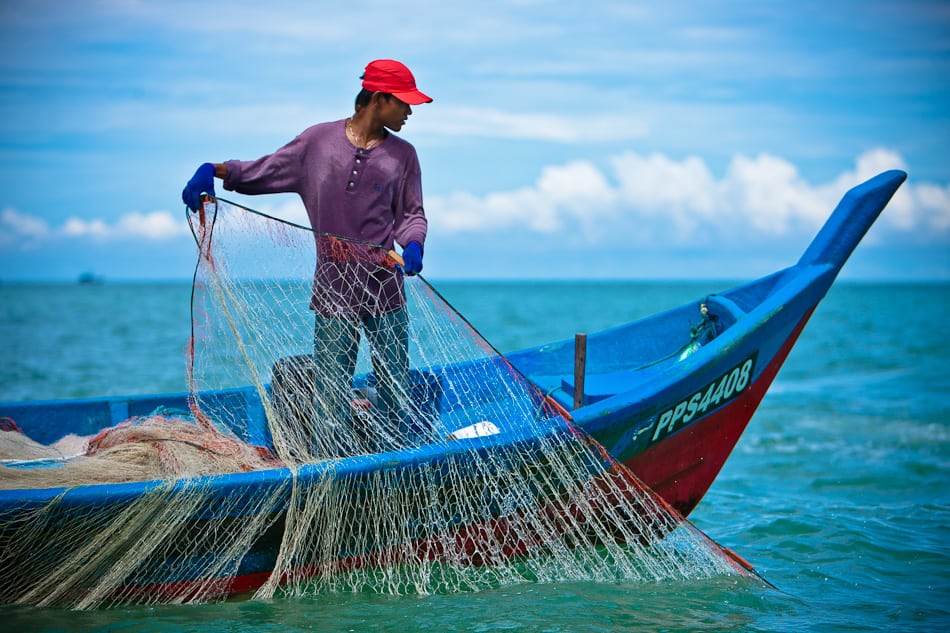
[348, 430]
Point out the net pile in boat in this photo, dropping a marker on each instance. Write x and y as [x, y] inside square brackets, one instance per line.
[403, 454]
[157, 446]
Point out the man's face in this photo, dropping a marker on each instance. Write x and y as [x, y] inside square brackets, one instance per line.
[393, 112]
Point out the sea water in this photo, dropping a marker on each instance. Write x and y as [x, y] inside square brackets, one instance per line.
[838, 492]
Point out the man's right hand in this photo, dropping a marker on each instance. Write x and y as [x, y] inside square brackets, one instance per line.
[201, 182]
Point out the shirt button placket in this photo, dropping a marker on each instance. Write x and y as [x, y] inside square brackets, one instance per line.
[355, 172]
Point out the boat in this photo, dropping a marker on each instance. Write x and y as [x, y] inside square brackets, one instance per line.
[668, 397]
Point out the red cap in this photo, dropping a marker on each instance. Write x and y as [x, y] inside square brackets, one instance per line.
[388, 75]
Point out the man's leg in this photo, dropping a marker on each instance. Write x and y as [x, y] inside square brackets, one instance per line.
[335, 350]
[388, 336]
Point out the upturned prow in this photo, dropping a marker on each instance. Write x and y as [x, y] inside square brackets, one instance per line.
[851, 219]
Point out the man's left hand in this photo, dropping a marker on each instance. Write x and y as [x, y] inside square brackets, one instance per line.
[412, 256]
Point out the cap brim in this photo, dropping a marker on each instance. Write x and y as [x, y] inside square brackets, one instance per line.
[414, 97]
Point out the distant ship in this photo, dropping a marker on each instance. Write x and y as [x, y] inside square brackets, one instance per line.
[90, 279]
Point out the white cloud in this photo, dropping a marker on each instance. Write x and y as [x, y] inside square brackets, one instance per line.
[770, 195]
[14, 223]
[682, 201]
[660, 186]
[158, 225]
[20, 228]
[576, 190]
[932, 203]
[21, 231]
[75, 227]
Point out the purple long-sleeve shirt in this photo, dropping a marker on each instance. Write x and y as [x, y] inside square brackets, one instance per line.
[369, 195]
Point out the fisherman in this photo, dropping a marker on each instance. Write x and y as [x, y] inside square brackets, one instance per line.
[362, 183]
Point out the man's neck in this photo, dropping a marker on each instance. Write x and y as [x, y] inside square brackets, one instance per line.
[365, 126]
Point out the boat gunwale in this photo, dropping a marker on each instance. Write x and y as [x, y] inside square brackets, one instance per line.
[342, 467]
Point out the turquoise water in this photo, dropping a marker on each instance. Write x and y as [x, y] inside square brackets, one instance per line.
[837, 493]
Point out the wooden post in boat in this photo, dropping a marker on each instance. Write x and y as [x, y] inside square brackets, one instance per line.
[580, 368]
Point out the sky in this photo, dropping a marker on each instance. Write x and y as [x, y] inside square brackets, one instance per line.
[608, 139]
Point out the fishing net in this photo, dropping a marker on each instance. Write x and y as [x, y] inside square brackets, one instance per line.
[158, 446]
[348, 430]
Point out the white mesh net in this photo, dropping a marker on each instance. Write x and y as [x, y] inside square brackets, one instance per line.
[348, 431]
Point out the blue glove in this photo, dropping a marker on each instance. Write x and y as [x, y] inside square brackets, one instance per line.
[412, 256]
[201, 182]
